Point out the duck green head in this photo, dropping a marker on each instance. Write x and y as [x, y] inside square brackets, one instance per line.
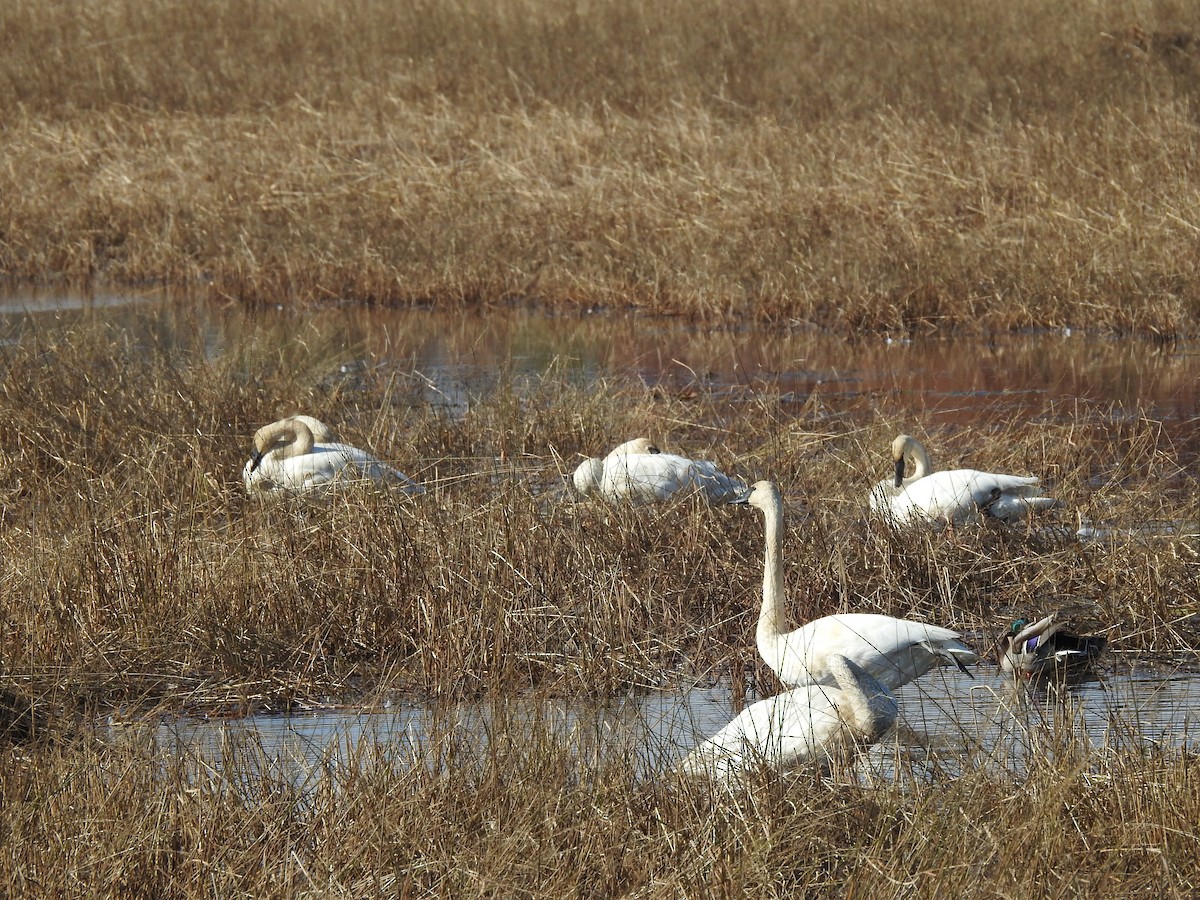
[1017, 625]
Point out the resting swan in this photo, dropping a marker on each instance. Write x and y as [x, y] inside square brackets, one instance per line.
[813, 723]
[639, 472]
[894, 651]
[287, 457]
[958, 496]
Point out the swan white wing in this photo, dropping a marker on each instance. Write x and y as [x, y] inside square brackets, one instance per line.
[325, 464]
[648, 477]
[715, 484]
[1009, 507]
[894, 651]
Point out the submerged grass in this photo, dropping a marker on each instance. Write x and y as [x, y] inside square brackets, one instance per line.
[859, 166]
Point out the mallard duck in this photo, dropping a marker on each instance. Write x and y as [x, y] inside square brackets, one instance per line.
[1045, 650]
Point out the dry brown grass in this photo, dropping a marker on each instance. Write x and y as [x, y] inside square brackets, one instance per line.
[527, 819]
[138, 578]
[144, 575]
[906, 167]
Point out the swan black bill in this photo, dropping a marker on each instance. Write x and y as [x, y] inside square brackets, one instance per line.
[256, 459]
[900, 472]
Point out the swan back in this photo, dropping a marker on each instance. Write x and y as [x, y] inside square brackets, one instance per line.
[812, 723]
[638, 472]
[635, 446]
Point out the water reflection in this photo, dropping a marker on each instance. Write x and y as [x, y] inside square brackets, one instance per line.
[951, 723]
[454, 357]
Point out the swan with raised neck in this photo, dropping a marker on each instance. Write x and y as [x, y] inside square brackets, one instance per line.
[894, 651]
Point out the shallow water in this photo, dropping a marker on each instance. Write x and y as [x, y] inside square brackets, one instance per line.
[455, 357]
[951, 723]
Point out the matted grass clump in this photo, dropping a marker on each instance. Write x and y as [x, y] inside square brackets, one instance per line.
[903, 167]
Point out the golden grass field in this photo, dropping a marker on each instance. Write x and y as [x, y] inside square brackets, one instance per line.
[909, 166]
[903, 166]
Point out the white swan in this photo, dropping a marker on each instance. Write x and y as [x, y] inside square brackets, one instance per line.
[638, 471]
[895, 651]
[287, 457]
[958, 496]
[813, 723]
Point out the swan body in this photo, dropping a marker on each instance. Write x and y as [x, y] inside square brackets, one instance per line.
[287, 457]
[813, 723]
[893, 651]
[639, 472]
[958, 496]
[1044, 650]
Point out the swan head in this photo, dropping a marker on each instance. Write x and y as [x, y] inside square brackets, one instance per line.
[903, 447]
[637, 445]
[587, 476]
[762, 495]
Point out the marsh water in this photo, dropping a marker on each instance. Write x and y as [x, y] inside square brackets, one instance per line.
[950, 722]
[453, 359]
[459, 356]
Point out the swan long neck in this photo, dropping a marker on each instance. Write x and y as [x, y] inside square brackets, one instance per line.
[870, 707]
[908, 447]
[296, 438]
[772, 619]
[922, 465]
